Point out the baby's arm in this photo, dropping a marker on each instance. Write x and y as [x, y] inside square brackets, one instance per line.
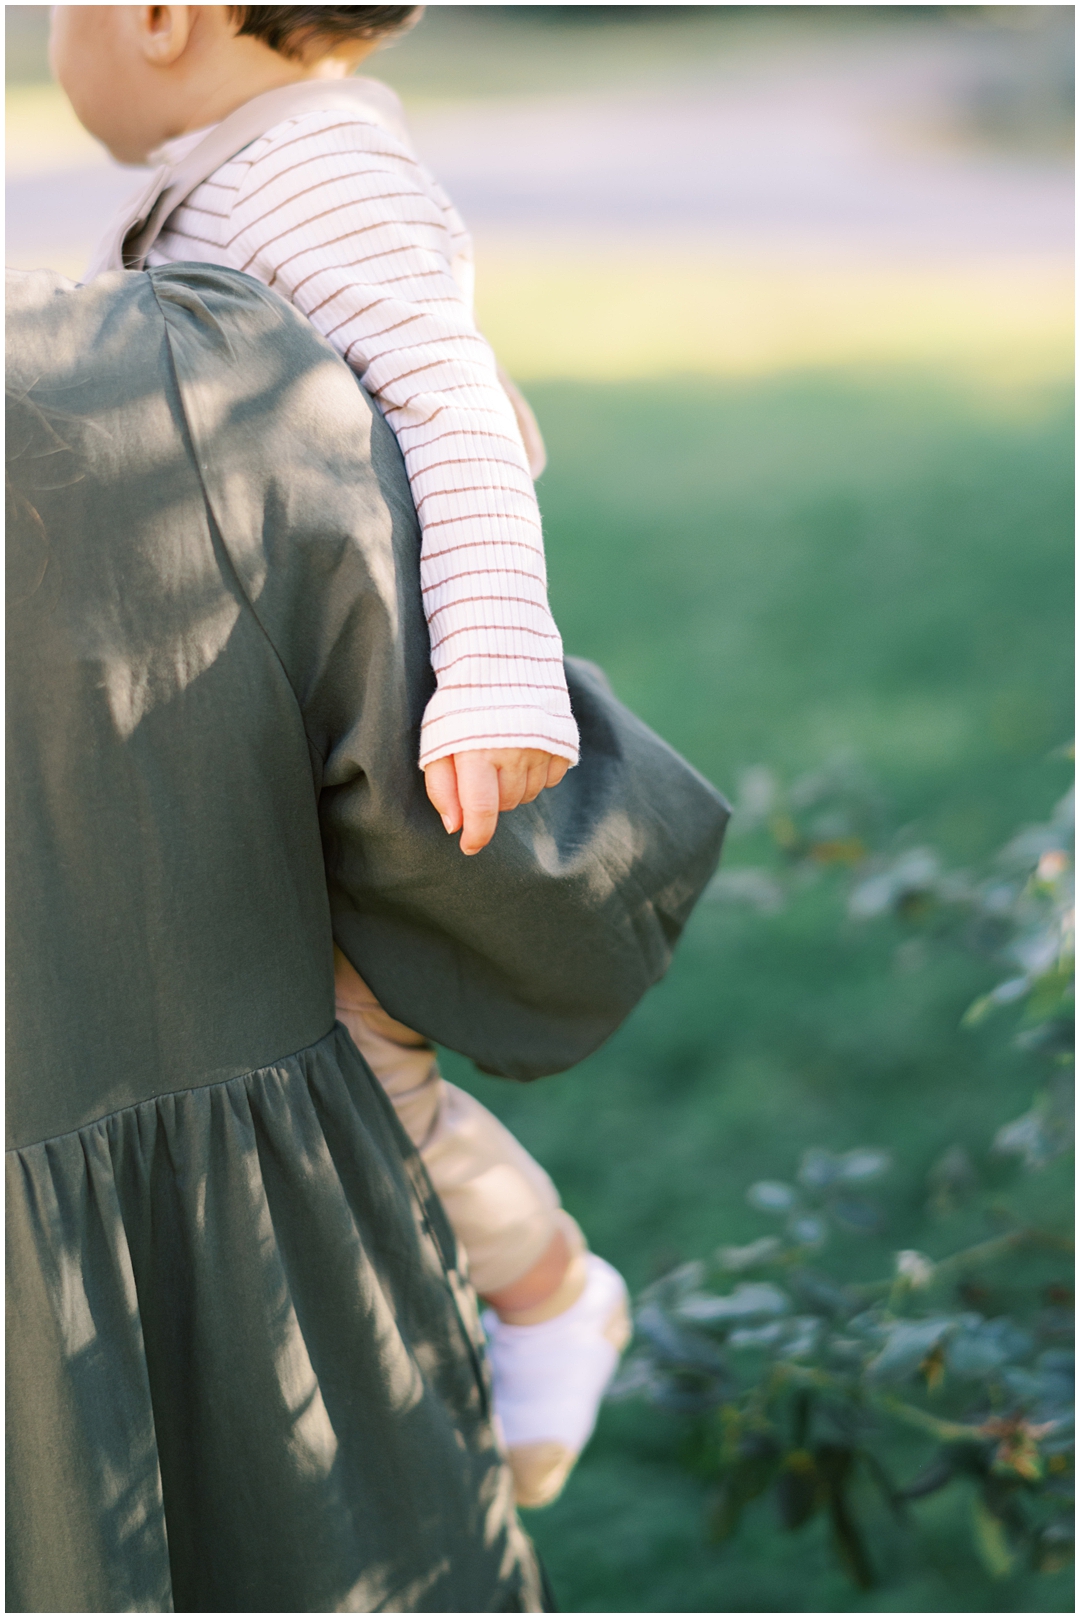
[339, 217]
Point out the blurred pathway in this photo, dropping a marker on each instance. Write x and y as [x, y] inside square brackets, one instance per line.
[784, 204]
[842, 145]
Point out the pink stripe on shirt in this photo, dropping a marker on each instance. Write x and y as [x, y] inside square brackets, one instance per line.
[339, 217]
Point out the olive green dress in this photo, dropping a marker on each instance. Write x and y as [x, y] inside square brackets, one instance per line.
[244, 1371]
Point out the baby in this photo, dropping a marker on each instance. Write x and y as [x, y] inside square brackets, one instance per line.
[331, 209]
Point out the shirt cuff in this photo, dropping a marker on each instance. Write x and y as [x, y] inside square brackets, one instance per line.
[512, 725]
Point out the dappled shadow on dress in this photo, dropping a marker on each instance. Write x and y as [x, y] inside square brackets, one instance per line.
[66, 430]
[260, 1356]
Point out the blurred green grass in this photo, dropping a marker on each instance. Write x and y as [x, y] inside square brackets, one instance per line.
[771, 571]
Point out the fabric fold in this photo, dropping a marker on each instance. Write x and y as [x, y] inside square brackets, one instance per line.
[211, 1423]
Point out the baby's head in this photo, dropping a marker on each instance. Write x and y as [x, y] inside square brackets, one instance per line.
[140, 75]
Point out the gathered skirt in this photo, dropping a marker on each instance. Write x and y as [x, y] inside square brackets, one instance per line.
[250, 1374]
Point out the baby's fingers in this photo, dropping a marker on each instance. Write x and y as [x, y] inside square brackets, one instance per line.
[544, 770]
[440, 779]
[536, 779]
[556, 769]
[478, 791]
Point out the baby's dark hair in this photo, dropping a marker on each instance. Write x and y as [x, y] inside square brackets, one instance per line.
[291, 30]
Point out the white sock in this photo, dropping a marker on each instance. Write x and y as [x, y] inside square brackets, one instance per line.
[549, 1379]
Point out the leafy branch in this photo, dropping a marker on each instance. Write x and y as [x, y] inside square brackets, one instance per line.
[788, 1378]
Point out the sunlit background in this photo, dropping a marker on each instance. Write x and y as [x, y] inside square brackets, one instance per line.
[791, 292]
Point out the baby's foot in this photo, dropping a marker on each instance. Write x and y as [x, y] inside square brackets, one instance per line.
[549, 1380]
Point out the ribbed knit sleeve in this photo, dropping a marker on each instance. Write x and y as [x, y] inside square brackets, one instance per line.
[336, 214]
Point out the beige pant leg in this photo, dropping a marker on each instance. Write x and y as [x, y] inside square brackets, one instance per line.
[503, 1208]
[502, 1205]
[402, 1061]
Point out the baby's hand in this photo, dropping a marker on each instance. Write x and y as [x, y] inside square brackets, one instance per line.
[469, 789]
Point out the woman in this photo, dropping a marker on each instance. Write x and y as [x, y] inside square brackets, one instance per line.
[244, 1371]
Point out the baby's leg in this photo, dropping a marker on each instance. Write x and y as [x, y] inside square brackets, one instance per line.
[559, 1318]
[402, 1061]
[524, 1250]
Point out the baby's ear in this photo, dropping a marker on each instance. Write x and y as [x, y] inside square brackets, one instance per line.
[162, 31]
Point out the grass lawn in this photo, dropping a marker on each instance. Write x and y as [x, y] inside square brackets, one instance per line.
[774, 570]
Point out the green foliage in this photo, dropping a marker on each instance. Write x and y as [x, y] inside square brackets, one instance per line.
[1019, 913]
[788, 1372]
[779, 568]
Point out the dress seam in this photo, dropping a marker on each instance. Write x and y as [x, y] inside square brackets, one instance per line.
[167, 1095]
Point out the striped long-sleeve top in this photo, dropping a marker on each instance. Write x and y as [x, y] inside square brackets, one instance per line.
[333, 210]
